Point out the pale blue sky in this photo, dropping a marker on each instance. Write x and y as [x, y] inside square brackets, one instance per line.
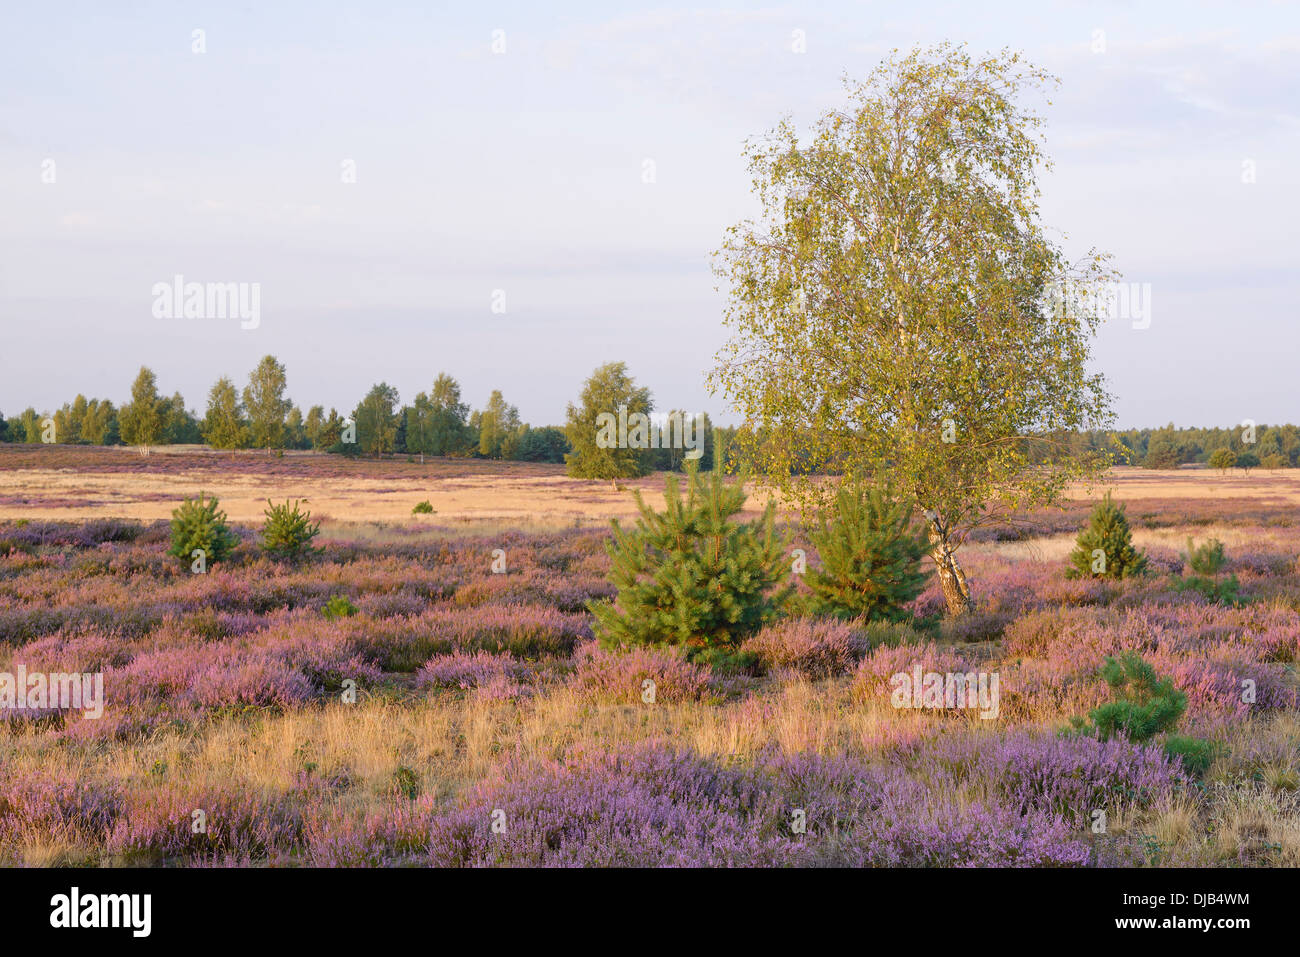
[523, 172]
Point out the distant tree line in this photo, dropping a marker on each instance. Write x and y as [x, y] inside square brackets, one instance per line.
[440, 423]
[1251, 446]
[261, 416]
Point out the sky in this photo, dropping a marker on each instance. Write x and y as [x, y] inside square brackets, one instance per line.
[516, 193]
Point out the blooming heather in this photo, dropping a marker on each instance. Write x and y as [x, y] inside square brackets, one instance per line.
[874, 673]
[816, 648]
[621, 676]
[222, 695]
[464, 670]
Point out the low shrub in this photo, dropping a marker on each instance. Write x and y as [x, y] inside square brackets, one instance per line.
[340, 606]
[287, 532]
[1035, 633]
[1219, 591]
[976, 625]
[1196, 754]
[460, 669]
[661, 675]
[199, 526]
[1206, 559]
[815, 648]
[1146, 704]
[873, 675]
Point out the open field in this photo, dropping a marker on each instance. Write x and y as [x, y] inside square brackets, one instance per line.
[103, 483]
[76, 483]
[482, 699]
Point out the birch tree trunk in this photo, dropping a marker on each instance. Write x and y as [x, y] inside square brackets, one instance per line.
[952, 580]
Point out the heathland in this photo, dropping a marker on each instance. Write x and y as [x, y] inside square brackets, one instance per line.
[487, 727]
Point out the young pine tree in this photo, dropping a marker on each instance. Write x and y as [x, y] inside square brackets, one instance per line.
[287, 532]
[870, 558]
[689, 576]
[199, 526]
[1105, 548]
[1143, 703]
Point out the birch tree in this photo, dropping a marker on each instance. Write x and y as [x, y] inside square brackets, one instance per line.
[896, 308]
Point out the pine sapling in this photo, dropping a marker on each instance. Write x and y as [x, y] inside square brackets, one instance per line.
[199, 533]
[690, 576]
[1105, 548]
[287, 533]
[871, 558]
[1145, 704]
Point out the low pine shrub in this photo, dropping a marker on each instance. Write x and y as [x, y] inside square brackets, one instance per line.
[1145, 704]
[288, 532]
[723, 659]
[422, 508]
[870, 558]
[340, 606]
[1105, 548]
[1219, 591]
[690, 576]
[1206, 559]
[198, 525]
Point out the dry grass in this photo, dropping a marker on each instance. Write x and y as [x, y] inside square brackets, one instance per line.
[452, 740]
[100, 483]
[73, 483]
